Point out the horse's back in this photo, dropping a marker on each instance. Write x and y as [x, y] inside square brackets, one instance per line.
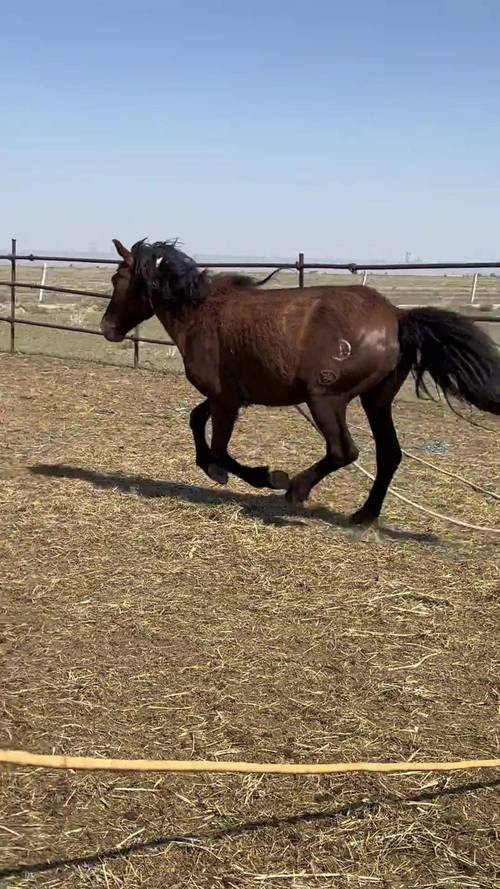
[277, 345]
[353, 340]
[311, 318]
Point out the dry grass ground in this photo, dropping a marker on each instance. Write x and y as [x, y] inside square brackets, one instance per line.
[147, 612]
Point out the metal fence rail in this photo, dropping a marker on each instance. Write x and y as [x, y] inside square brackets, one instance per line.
[299, 266]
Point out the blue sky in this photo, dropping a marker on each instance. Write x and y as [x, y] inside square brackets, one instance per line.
[349, 130]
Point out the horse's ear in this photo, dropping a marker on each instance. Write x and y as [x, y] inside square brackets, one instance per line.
[122, 251]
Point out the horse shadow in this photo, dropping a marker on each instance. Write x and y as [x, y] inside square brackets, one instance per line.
[333, 817]
[269, 509]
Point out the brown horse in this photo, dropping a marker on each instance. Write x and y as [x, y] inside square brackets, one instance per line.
[320, 345]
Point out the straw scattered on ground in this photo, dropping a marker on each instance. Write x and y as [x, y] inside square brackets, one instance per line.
[147, 612]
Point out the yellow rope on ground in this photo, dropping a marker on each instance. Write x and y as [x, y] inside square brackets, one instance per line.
[91, 763]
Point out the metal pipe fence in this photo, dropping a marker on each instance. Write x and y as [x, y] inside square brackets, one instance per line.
[14, 258]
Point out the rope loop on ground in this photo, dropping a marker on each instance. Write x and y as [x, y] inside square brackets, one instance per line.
[438, 515]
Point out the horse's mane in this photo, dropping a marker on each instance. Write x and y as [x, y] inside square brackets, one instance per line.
[175, 278]
[224, 281]
[169, 274]
[239, 280]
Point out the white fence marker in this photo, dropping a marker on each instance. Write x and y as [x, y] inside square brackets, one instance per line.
[42, 282]
[473, 291]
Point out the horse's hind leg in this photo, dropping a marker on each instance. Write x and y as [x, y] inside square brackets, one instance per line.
[329, 415]
[224, 417]
[377, 404]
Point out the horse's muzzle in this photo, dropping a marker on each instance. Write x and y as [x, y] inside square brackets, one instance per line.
[110, 331]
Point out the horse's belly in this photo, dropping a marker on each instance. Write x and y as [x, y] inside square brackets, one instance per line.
[269, 383]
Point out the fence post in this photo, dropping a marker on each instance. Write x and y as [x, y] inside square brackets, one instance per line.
[473, 291]
[13, 297]
[300, 268]
[364, 278]
[136, 347]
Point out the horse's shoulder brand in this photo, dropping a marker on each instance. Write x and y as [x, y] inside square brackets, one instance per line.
[344, 351]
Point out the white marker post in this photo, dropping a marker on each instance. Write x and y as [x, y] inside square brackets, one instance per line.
[42, 282]
[473, 291]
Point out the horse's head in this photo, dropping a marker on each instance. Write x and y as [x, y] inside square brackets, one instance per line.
[130, 303]
[150, 277]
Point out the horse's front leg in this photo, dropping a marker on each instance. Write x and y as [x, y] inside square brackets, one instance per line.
[224, 417]
[198, 421]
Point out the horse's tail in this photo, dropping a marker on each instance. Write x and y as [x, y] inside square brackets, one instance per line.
[463, 361]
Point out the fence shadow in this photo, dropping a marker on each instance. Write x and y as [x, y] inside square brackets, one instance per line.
[358, 808]
[267, 508]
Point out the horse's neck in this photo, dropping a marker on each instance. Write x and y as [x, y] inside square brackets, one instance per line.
[177, 326]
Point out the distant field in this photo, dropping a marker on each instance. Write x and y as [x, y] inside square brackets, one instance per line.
[452, 291]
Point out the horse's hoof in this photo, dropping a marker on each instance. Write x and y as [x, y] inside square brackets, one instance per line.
[217, 474]
[278, 480]
[362, 519]
[368, 532]
[295, 496]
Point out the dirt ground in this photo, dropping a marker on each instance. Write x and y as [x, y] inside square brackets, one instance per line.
[146, 612]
